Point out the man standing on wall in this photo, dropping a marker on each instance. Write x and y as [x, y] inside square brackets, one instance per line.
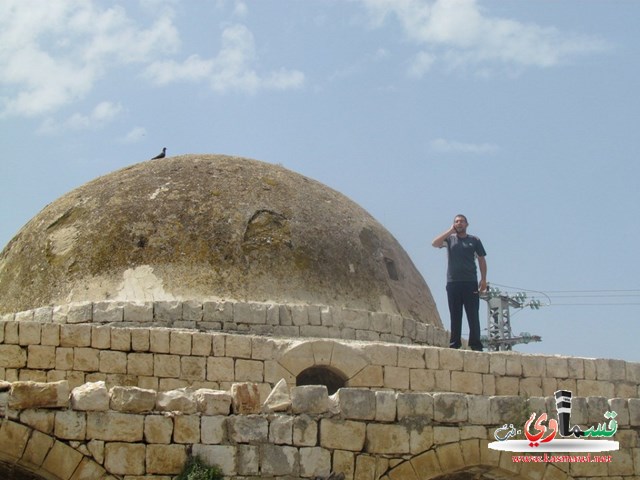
[463, 288]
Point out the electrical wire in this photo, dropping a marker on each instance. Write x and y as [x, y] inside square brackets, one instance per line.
[580, 295]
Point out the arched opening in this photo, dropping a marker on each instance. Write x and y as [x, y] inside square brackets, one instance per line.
[322, 375]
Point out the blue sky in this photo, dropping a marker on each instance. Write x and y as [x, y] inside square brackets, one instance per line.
[522, 115]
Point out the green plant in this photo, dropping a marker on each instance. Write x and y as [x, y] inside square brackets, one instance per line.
[197, 469]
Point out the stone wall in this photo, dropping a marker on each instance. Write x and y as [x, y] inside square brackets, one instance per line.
[165, 359]
[131, 433]
[310, 321]
[406, 412]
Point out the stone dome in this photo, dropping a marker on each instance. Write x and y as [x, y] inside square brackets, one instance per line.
[210, 227]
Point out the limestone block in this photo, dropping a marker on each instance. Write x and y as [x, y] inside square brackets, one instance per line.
[506, 409]
[159, 340]
[41, 420]
[121, 339]
[507, 386]
[356, 404]
[140, 364]
[108, 312]
[427, 462]
[365, 467]
[86, 359]
[213, 429]
[411, 357]
[70, 425]
[251, 313]
[279, 399]
[385, 406]
[192, 311]
[344, 462]
[349, 359]
[39, 395]
[466, 382]
[452, 359]
[96, 449]
[166, 366]
[43, 314]
[225, 456]
[415, 405]
[88, 470]
[75, 335]
[101, 336]
[595, 388]
[610, 370]
[158, 429]
[313, 399]
[396, 378]
[245, 398]
[278, 460]
[248, 371]
[186, 429]
[533, 366]
[132, 399]
[92, 396]
[478, 409]
[513, 365]
[420, 438]
[477, 362]
[37, 448]
[201, 344]
[248, 460]
[342, 434]
[315, 462]
[557, 367]
[449, 456]
[179, 400]
[281, 430]
[238, 346]
[138, 312]
[140, 340]
[248, 429]
[387, 439]
[113, 362]
[180, 343]
[80, 313]
[13, 438]
[450, 407]
[50, 334]
[41, 357]
[220, 369]
[62, 460]
[11, 335]
[115, 426]
[305, 431]
[217, 311]
[212, 402]
[369, 376]
[29, 333]
[193, 368]
[167, 311]
[634, 412]
[12, 356]
[125, 458]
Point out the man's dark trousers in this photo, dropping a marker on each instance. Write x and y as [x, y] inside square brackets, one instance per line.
[464, 295]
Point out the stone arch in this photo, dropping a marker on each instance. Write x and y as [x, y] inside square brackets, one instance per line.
[469, 459]
[345, 360]
[39, 456]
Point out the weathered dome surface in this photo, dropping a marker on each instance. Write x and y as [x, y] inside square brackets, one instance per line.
[210, 227]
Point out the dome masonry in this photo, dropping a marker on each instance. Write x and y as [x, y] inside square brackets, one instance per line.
[210, 227]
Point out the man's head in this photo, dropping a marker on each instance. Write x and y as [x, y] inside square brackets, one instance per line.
[460, 223]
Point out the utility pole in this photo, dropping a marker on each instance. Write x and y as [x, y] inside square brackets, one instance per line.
[499, 335]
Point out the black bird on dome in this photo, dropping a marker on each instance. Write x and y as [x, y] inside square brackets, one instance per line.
[161, 155]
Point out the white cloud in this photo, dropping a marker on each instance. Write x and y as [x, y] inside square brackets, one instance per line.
[102, 114]
[442, 145]
[52, 53]
[135, 135]
[460, 34]
[232, 69]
